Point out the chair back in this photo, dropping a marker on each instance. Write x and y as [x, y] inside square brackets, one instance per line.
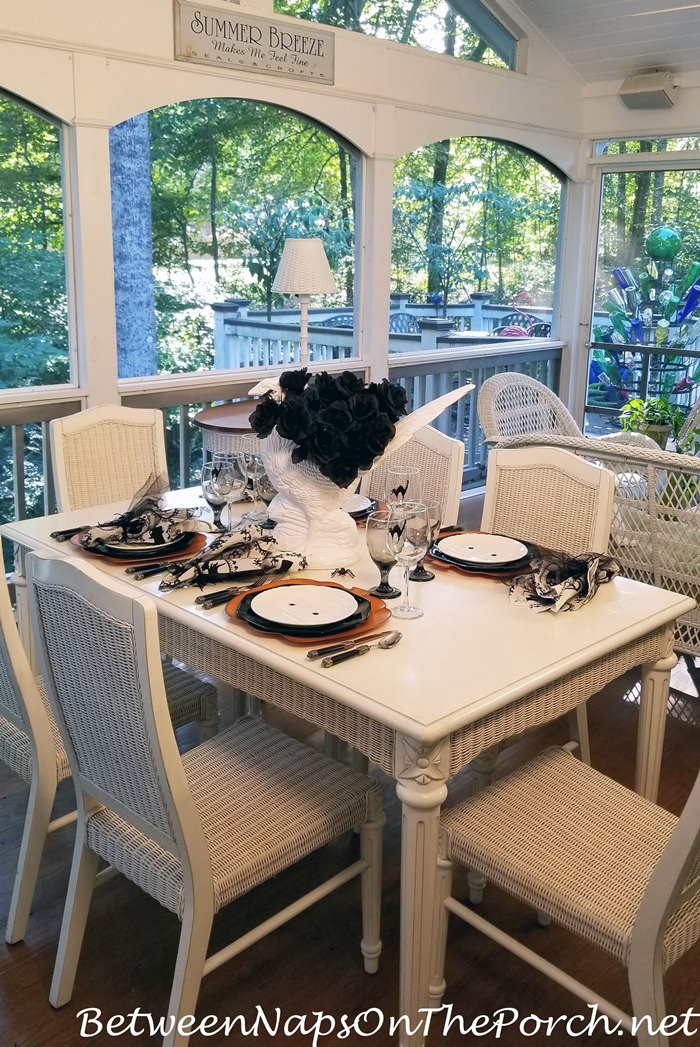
[106, 454]
[26, 724]
[514, 405]
[440, 459]
[543, 495]
[100, 656]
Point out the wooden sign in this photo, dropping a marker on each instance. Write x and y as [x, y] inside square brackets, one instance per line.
[240, 40]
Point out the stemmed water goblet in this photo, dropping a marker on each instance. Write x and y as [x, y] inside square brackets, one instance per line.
[420, 573]
[231, 477]
[402, 484]
[381, 554]
[250, 448]
[408, 535]
[214, 492]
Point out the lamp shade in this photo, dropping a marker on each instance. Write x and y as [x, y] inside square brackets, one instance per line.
[304, 268]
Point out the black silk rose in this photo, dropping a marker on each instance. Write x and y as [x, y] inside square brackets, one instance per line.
[335, 420]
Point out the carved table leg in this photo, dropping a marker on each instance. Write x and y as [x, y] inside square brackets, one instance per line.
[421, 773]
[656, 678]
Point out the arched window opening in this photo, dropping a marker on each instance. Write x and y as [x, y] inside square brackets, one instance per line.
[33, 302]
[476, 221]
[204, 194]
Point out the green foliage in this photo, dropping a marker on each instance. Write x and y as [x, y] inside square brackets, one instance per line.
[637, 414]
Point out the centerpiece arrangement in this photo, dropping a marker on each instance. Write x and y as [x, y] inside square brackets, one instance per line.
[318, 433]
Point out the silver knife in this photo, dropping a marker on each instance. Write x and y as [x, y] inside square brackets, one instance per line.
[347, 645]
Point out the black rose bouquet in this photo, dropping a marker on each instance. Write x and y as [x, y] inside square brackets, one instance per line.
[336, 422]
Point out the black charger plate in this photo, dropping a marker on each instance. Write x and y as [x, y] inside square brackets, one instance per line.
[246, 614]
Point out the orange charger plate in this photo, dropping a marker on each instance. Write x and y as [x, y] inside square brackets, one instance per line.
[379, 613]
[504, 576]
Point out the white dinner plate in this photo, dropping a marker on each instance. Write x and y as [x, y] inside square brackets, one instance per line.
[304, 605]
[482, 549]
[356, 503]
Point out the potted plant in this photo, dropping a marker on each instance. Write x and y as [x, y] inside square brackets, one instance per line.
[657, 417]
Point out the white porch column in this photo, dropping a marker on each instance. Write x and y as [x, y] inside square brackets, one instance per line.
[577, 258]
[374, 263]
[91, 247]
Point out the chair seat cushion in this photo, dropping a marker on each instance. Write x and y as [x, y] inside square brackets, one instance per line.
[265, 801]
[572, 843]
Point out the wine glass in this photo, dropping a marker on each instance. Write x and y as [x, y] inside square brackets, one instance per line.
[402, 484]
[214, 493]
[250, 447]
[420, 573]
[382, 555]
[231, 477]
[408, 535]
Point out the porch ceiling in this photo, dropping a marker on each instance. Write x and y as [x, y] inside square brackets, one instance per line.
[612, 39]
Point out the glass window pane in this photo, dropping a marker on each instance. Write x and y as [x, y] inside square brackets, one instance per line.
[33, 302]
[619, 147]
[204, 194]
[476, 215]
[646, 322]
[462, 28]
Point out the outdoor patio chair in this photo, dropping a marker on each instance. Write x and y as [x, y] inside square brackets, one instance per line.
[440, 459]
[195, 832]
[512, 404]
[30, 744]
[602, 861]
[105, 454]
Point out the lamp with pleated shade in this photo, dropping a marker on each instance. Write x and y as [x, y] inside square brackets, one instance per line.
[303, 271]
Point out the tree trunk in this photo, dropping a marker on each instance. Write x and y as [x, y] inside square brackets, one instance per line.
[130, 172]
[639, 208]
[657, 194]
[345, 211]
[213, 193]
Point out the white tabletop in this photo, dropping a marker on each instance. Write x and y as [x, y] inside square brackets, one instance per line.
[472, 652]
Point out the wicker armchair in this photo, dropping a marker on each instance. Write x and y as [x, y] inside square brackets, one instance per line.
[655, 530]
[105, 454]
[607, 864]
[512, 404]
[195, 832]
[440, 459]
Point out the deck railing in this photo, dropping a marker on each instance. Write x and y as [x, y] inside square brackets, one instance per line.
[25, 479]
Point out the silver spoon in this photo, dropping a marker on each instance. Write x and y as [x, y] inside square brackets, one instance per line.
[389, 641]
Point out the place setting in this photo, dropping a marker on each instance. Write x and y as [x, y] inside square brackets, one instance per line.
[479, 553]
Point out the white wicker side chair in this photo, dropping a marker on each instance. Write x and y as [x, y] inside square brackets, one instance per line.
[548, 499]
[440, 459]
[105, 454]
[195, 832]
[602, 861]
[31, 746]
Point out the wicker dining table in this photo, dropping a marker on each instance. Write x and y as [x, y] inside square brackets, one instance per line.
[473, 671]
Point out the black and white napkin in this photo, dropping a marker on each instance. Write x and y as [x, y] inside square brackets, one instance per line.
[146, 521]
[559, 582]
[231, 555]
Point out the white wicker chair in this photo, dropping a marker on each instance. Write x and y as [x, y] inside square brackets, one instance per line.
[105, 454]
[604, 862]
[30, 744]
[195, 832]
[548, 496]
[440, 459]
[655, 531]
[512, 404]
[542, 495]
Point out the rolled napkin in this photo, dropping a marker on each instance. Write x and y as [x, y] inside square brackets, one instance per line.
[146, 521]
[559, 582]
[250, 549]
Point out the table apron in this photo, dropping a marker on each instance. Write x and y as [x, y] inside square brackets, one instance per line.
[380, 743]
